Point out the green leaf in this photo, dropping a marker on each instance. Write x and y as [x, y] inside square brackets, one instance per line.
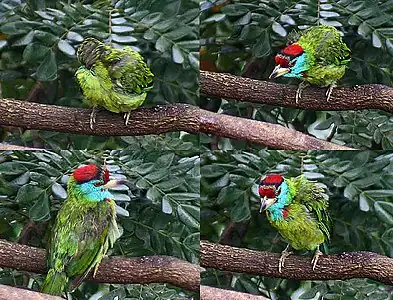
[177, 55]
[12, 168]
[262, 46]
[171, 184]
[59, 191]
[47, 70]
[189, 215]
[384, 211]
[27, 193]
[66, 48]
[35, 52]
[40, 210]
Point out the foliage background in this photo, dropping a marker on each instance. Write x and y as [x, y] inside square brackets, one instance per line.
[38, 42]
[241, 37]
[360, 188]
[158, 209]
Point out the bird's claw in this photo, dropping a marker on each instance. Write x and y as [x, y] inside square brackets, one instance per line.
[299, 91]
[315, 258]
[127, 117]
[329, 91]
[93, 118]
[283, 257]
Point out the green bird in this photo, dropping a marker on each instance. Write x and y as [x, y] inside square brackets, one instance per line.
[84, 229]
[297, 208]
[319, 56]
[116, 79]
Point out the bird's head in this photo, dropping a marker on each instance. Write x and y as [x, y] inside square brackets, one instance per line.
[290, 62]
[269, 190]
[90, 51]
[93, 182]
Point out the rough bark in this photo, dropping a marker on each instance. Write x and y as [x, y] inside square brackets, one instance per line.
[211, 293]
[156, 120]
[147, 269]
[360, 264]
[342, 98]
[9, 293]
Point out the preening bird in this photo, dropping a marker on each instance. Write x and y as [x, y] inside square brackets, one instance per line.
[319, 56]
[116, 79]
[84, 229]
[298, 209]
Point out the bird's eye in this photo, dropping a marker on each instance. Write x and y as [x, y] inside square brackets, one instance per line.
[98, 183]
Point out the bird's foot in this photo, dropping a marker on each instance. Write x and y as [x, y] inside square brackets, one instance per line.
[329, 91]
[300, 89]
[283, 257]
[93, 118]
[314, 260]
[127, 117]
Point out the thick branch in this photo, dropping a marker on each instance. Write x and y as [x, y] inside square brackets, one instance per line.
[211, 293]
[147, 269]
[360, 264]
[156, 120]
[272, 135]
[251, 90]
[9, 292]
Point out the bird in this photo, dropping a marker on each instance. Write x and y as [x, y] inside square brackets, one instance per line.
[115, 79]
[317, 56]
[298, 209]
[84, 229]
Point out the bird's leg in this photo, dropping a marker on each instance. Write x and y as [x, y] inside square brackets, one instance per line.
[93, 117]
[127, 117]
[314, 260]
[300, 89]
[283, 257]
[329, 91]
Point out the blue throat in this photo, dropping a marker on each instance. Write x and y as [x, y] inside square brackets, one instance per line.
[299, 67]
[283, 199]
[94, 193]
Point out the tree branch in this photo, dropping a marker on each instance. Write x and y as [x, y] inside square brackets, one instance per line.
[146, 269]
[212, 293]
[156, 120]
[342, 98]
[360, 264]
[9, 292]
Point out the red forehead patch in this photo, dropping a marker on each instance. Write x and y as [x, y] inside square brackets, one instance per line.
[292, 50]
[86, 173]
[272, 179]
[282, 61]
[268, 192]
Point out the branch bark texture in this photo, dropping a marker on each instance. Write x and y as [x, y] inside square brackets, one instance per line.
[342, 98]
[147, 269]
[9, 292]
[156, 120]
[345, 265]
[211, 293]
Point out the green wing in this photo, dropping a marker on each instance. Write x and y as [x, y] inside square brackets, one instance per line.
[314, 198]
[326, 46]
[80, 237]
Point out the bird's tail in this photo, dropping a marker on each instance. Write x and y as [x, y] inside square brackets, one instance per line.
[54, 283]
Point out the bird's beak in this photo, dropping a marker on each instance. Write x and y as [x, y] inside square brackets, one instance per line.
[265, 203]
[279, 71]
[112, 183]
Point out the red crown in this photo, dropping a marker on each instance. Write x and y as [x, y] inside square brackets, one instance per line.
[272, 179]
[87, 173]
[292, 50]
